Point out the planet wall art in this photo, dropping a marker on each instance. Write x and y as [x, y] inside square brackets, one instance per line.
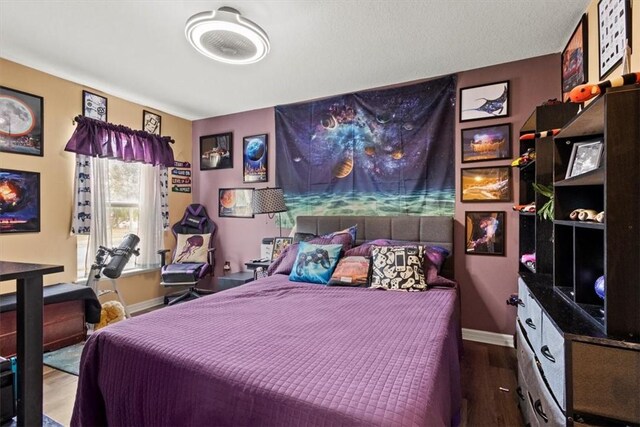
[20, 122]
[255, 155]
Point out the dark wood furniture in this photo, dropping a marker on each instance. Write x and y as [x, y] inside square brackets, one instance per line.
[29, 326]
[579, 356]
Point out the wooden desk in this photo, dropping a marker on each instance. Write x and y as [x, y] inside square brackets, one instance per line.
[29, 334]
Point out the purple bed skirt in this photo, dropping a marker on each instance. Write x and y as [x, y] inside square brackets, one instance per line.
[278, 353]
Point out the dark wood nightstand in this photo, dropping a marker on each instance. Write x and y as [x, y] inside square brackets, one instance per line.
[253, 265]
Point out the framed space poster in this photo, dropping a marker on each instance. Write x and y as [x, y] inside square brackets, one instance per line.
[614, 32]
[235, 202]
[254, 156]
[482, 102]
[216, 151]
[151, 122]
[490, 184]
[94, 106]
[484, 233]
[19, 201]
[486, 143]
[21, 122]
[574, 59]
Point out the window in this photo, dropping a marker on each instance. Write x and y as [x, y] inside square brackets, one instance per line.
[123, 210]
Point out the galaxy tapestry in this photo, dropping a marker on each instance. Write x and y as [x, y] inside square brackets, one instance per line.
[381, 152]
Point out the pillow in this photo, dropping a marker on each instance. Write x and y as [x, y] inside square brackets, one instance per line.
[302, 237]
[351, 271]
[284, 263]
[315, 263]
[398, 268]
[192, 248]
[352, 231]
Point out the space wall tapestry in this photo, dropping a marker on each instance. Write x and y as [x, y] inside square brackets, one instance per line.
[380, 152]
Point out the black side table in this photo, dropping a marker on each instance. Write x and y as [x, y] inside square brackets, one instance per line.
[232, 280]
[253, 265]
[29, 313]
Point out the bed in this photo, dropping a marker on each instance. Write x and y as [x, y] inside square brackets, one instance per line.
[276, 352]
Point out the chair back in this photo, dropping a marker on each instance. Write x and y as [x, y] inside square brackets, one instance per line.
[196, 221]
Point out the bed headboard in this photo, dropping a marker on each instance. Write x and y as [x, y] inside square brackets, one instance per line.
[431, 230]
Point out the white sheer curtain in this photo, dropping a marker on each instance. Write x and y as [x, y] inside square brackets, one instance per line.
[151, 220]
[100, 234]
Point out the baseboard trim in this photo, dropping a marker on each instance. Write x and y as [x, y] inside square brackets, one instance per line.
[487, 337]
[144, 305]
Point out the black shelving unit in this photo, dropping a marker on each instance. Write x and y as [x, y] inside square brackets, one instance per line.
[584, 251]
[535, 233]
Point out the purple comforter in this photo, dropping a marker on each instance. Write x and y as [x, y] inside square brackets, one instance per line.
[275, 352]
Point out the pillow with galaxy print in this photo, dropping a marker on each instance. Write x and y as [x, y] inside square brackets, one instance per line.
[398, 268]
[315, 263]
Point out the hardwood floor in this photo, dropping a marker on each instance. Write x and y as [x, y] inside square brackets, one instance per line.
[485, 368]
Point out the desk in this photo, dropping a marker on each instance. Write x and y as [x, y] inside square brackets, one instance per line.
[29, 335]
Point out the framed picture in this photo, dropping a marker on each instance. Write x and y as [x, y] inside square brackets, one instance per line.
[151, 122]
[573, 59]
[484, 102]
[94, 106]
[614, 32]
[254, 156]
[235, 202]
[486, 143]
[279, 244]
[19, 201]
[21, 122]
[492, 184]
[484, 233]
[585, 157]
[216, 151]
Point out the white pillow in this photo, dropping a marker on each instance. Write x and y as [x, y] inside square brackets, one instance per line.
[192, 248]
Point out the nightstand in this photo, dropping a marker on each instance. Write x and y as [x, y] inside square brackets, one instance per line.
[253, 265]
[232, 280]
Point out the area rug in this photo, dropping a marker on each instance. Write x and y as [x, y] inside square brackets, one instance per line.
[66, 359]
[46, 422]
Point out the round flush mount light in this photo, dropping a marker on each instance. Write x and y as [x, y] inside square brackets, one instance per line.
[226, 36]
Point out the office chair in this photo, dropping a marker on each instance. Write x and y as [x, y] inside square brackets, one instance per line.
[193, 257]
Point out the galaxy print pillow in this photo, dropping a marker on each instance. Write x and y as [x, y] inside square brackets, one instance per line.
[315, 263]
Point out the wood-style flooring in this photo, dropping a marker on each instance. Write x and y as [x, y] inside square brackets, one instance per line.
[485, 368]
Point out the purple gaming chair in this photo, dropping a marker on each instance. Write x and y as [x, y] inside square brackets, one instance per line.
[195, 221]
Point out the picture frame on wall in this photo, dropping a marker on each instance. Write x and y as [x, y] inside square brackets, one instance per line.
[485, 233]
[255, 158]
[585, 157]
[151, 122]
[488, 101]
[235, 202]
[22, 122]
[94, 106]
[574, 59]
[614, 32]
[486, 184]
[20, 205]
[216, 151]
[279, 245]
[486, 143]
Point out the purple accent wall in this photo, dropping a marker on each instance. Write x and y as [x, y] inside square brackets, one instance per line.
[486, 281]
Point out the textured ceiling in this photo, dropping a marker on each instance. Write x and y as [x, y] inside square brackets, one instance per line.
[137, 49]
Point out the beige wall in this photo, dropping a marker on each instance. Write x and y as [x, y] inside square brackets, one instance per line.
[54, 244]
[592, 16]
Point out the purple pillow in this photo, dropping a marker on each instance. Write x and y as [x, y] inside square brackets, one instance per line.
[285, 262]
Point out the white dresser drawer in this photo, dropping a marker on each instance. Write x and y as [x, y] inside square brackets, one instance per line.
[530, 315]
[551, 355]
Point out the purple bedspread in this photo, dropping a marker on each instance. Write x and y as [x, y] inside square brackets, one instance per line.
[278, 353]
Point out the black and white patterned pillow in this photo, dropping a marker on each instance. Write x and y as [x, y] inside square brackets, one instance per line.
[398, 268]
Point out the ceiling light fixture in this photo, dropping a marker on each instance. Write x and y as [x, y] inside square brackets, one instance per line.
[227, 37]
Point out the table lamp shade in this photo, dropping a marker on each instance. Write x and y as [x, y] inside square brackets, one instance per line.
[268, 201]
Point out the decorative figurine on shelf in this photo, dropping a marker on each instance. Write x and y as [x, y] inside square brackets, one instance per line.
[587, 91]
[600, 287]
[531, 207]
[584, 215]
[525, 159]
[529, 260]
[600, 217]
[226, 268]
[543, 134]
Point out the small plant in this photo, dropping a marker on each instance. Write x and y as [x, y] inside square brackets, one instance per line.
[546, 211]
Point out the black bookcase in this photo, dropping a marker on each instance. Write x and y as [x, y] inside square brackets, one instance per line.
[583, 251]
[535, 233]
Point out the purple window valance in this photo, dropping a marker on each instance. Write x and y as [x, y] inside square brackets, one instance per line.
[100, 139]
